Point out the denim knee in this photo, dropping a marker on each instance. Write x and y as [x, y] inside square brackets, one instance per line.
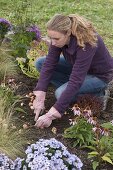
[39, 62]
[57, 93]
[60, 90]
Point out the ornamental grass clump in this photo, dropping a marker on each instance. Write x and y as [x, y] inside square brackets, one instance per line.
[11, 141]
[50, 155]
[8, 102]
[7, 65]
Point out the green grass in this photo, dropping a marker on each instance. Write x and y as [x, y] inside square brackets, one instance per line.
[100, 12]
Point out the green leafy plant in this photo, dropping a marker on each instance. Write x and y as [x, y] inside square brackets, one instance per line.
[81, 132]
[102, 146]
[24, 29]
[102, 151]
[28, 65]
[92, 135]
[22, 37]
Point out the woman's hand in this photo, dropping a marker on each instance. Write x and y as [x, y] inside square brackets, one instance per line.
[38, 103]
[46, 120]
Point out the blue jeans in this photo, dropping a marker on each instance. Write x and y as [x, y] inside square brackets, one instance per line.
[91, 85]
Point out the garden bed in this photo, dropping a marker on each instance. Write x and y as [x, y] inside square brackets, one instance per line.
[27, 47]
[26, 85]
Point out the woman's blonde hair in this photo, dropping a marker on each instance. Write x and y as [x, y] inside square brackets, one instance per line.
[82, 29]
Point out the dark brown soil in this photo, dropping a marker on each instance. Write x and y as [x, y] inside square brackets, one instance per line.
[26, 85]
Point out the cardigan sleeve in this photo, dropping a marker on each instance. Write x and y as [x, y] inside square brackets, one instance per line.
[48, 68]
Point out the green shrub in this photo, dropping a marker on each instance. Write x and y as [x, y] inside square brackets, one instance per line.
[81, 133]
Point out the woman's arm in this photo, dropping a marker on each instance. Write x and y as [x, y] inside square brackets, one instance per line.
[79, 71]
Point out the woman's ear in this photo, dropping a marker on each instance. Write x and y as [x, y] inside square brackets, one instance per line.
[69, 32]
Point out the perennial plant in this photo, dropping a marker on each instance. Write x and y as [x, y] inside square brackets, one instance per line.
[27, 65]
[89, 133]
[22, 37]
[5, 26]
[45, 155]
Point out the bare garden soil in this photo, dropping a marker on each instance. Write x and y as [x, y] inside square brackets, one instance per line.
[26, 85]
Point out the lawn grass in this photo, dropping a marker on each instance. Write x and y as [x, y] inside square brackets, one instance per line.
[100, 12]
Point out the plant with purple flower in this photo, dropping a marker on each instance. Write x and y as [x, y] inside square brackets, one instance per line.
[50, 155]
[6, 163]
[22, 38]
[5, 26]
[90, 133]
[35, 32]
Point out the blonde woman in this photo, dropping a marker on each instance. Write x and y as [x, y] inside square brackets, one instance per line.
[77, 63]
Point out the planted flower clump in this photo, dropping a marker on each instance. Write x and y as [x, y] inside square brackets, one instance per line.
[43, 155]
